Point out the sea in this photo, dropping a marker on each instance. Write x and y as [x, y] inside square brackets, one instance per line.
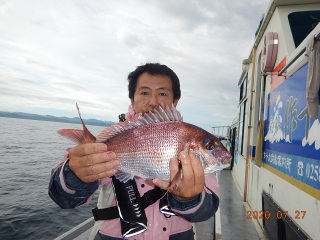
[28, 151]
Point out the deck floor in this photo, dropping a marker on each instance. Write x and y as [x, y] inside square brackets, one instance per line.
[233, 213]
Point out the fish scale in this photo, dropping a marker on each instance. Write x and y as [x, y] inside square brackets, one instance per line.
[145, 145]
[152, 152]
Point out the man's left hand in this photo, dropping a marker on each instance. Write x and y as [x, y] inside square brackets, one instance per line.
[192, 182]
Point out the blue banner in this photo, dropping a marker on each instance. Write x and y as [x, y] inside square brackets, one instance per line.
[288, 126]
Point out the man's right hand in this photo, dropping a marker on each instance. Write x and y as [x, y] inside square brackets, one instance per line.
[92, 161]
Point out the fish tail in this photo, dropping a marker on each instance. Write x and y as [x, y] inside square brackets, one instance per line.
[78, 136]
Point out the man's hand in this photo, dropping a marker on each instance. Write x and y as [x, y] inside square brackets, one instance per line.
[192, 182]
[91, 161]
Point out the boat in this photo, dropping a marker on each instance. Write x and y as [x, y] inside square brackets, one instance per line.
[274, 140]
[275, 136]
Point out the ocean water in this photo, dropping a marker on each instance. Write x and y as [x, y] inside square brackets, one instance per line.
[28, 151]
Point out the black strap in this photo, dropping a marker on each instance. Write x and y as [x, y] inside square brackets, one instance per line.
[105, 213]
[148, 199]
[152, 196]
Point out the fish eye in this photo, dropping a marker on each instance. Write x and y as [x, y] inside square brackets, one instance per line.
[210, 146]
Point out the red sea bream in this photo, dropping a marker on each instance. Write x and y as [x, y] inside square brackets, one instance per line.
[145, 145]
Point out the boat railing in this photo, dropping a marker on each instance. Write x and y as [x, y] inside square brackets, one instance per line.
[221, 132]
[296, 57]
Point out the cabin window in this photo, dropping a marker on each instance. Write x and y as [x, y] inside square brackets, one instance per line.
[243, 95]
[259, 94]
[241, 127]
[302, 23]
[262, 97]
[243, 88]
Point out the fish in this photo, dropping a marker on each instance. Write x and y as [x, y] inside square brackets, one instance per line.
[145, 145]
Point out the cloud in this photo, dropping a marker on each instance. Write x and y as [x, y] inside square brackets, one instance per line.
[11, 87]
[71, 86]
[57, 53]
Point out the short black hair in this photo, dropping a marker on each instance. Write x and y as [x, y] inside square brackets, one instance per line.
[154, 69]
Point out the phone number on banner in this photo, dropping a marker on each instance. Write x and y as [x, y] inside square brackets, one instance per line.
[306, 170]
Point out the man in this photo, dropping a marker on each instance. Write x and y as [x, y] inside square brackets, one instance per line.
[85, 166]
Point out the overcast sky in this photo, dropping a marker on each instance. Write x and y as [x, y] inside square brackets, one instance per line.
[54, 54]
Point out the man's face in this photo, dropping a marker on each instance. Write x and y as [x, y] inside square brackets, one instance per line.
[151, 92]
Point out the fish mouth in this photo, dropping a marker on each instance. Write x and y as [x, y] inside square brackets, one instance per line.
[215, 168]
[228, 160]
[224, 157]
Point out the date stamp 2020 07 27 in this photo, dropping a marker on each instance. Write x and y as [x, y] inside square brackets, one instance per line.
[280, 214]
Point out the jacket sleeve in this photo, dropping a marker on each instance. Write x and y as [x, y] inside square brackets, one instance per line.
[200, 208]
[66, 189]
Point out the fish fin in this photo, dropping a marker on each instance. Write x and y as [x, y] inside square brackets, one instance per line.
[123, 177]
[78, 136]
[176, 114]
[169, 113]
[74, 135]
[163, 114]
[158, 115]
[148, 118]
[88, 135]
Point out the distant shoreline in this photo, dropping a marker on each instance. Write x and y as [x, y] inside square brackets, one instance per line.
[51, 118]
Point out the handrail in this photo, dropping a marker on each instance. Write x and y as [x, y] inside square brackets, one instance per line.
[296, 57]
[222, 132]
